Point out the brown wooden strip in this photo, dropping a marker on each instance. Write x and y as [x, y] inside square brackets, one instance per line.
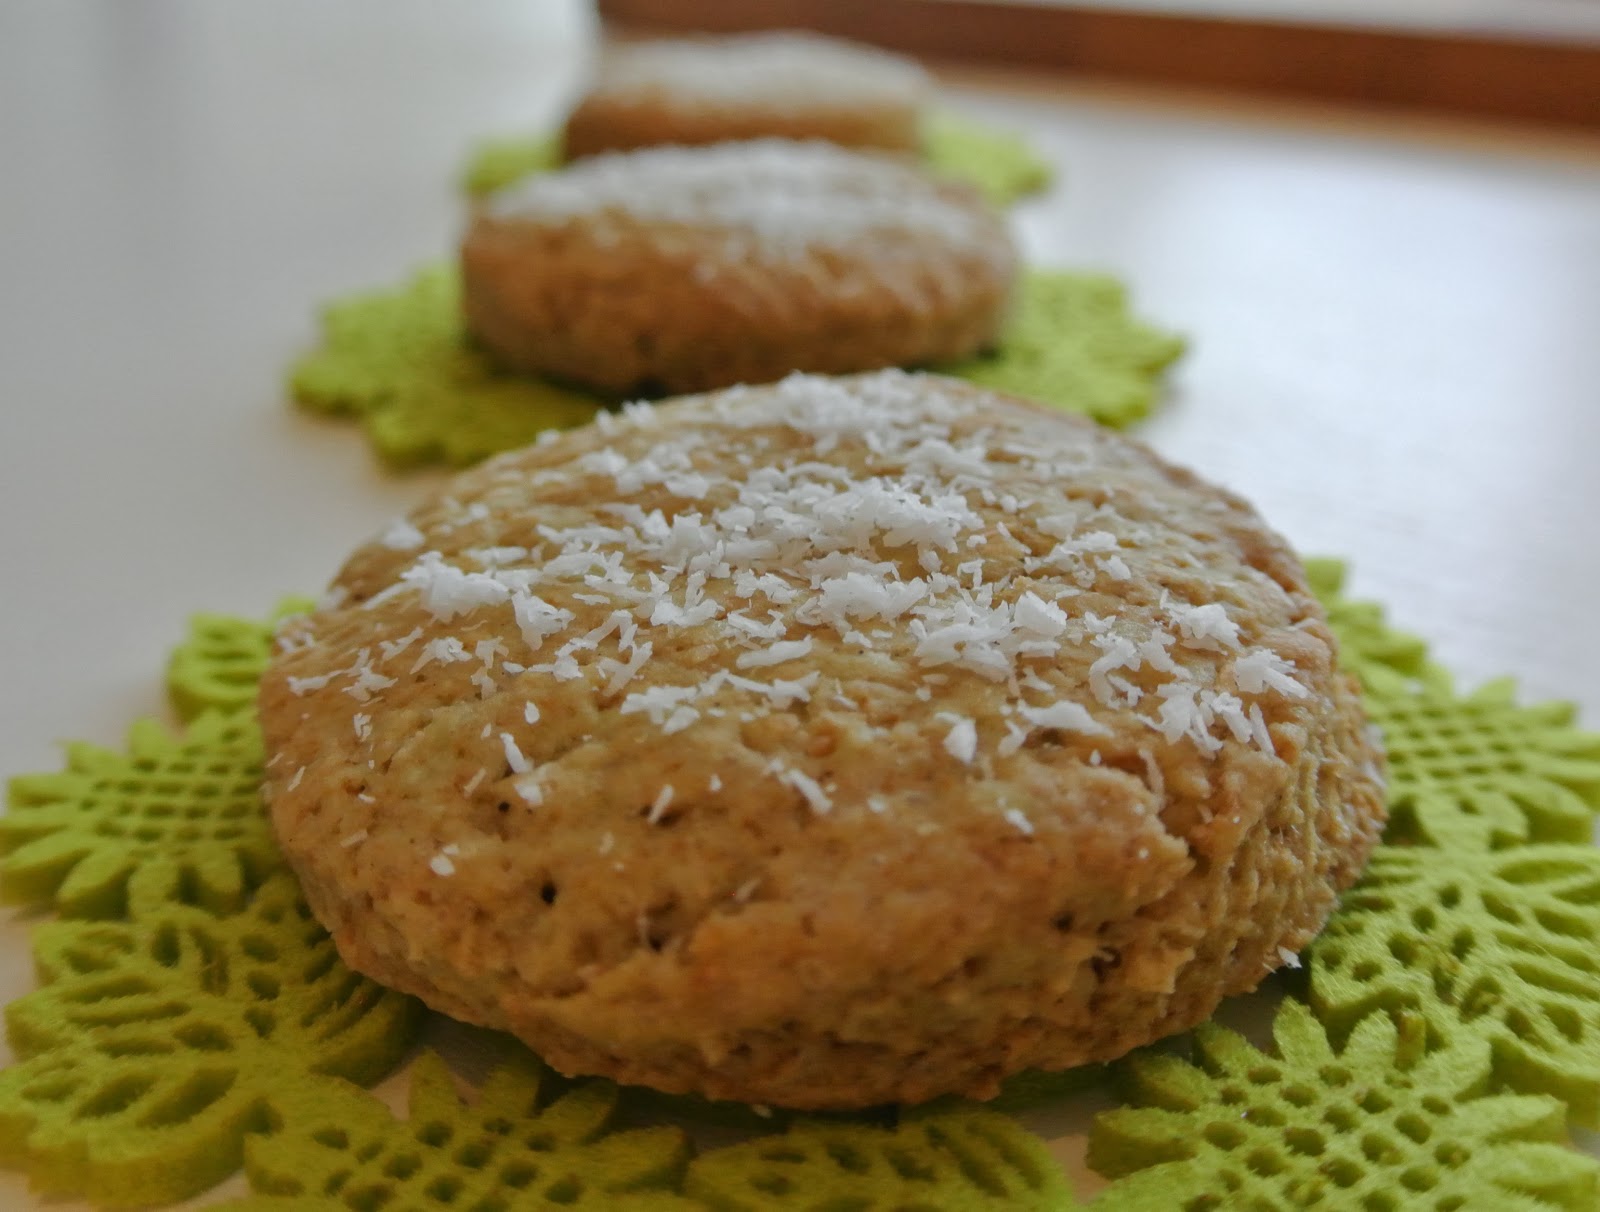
[1506, 75]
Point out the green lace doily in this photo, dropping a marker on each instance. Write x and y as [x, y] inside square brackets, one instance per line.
[999, 163]
[1379, 1124]
[192, 1019]
[398, 360]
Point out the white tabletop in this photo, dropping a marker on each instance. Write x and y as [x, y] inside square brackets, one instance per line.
[1396, 326]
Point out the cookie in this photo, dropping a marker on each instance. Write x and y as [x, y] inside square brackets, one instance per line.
[823, 744]
[787, 85]
[684, 269]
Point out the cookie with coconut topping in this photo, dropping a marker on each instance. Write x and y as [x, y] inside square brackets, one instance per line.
[785, 85]
[822, 744]
[691, 268]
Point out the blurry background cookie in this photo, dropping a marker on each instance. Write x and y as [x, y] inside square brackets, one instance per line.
[682, 269]
[792, 86]
[823, 744]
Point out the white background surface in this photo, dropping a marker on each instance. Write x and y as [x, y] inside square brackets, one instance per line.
[1395, 325]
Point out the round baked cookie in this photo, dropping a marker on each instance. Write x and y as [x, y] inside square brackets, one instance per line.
[822, 744]
[684, 269]
[750, 86]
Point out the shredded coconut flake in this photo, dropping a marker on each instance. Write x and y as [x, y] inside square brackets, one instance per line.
[514, 758]
[658, 809]
[300, 686]
[961, 742]
[1261, 670]
[1206, 627]
[776, 654]
[1066, 716]
[402, 536]
[1018, 821]
[810, 790]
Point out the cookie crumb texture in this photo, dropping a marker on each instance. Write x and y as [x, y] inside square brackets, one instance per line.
[684, 269]
[790, 86]
[821, 745]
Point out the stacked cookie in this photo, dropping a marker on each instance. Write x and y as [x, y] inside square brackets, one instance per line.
[768, 234]
[824, 743]
[786, 86]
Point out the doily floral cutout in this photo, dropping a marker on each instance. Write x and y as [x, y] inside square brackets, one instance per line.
[1526, 771]
[1502, 944]
[399, 360]
[1368, 646]
[515, 1146]
[997, 162]
[1380, 1125]
[964, 1159]
[219, 663]
[154, 1046]
[1073, 342]
[496, 163]
[175, 818]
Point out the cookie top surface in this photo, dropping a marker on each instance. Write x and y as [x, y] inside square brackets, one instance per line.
[774, 197]
[764, 71]
[978, 569]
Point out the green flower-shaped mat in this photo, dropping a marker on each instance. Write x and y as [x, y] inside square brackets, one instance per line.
[191, 1018]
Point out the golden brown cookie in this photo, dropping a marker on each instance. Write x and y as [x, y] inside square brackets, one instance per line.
[684, 269]
[822, 744]
[750, 86]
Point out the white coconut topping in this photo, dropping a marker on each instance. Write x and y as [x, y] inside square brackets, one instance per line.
[1205, 627]
[810, 790]
[747, 889]
[514, 758]
[961, 742]
[1262, 670]
[760, 561]
[771, 198]
[1019, 821]
[680, 719]
[658, 809]
[300, 686]
[402, 536]
[777, 654]
[1066, 716]
[782, 71]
